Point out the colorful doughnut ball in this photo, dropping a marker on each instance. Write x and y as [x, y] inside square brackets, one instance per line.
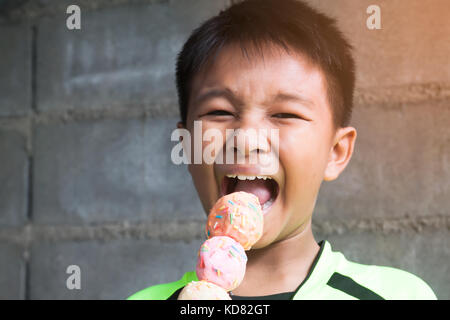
[237, 215]
[203, 290]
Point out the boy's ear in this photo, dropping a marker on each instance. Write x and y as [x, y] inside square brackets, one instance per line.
[340, 153]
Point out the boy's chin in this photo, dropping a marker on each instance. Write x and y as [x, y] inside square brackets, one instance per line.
[263, 243]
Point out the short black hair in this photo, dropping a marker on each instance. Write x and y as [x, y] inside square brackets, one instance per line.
[285, 23]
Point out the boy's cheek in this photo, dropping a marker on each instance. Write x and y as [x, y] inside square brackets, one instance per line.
[206, 143]
[303, 174]
[205, 184]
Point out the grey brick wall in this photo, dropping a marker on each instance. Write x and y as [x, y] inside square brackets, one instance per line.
[110, 270]
[85, 123]
[15, 82]
[119, 169]
[14, 179]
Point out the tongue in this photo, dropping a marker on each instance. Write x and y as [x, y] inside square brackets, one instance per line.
[258, 187]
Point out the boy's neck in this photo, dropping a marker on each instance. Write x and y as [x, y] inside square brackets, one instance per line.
[279, 267]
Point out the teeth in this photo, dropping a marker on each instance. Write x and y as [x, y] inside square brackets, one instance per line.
[241, 177]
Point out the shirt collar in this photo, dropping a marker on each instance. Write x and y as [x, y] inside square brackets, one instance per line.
[321, 270]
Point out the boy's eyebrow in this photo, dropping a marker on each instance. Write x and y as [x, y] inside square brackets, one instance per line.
[215, 93]
[229, 95]
[286, 96]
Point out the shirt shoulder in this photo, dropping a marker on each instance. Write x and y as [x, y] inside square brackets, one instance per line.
[164, 290]
[387, 282]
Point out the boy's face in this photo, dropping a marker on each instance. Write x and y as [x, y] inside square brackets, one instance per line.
[309, 150]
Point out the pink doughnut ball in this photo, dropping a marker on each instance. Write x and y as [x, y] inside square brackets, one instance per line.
[222, 261]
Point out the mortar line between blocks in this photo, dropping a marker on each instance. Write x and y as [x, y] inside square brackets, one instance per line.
[30, 159]
[34, 34]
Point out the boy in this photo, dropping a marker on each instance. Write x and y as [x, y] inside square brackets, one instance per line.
[279, 65]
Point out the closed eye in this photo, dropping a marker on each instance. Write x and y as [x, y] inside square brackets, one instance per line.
[286, 116]
[219, 113]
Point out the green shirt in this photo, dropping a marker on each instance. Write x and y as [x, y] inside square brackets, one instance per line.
[331, 276]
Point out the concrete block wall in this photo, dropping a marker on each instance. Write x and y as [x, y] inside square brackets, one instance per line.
[85, 122]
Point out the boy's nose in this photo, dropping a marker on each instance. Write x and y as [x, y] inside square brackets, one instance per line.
[255, 143]
[251, 135]
[250, 142]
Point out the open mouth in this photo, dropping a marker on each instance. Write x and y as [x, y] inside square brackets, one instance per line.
[264, 187]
